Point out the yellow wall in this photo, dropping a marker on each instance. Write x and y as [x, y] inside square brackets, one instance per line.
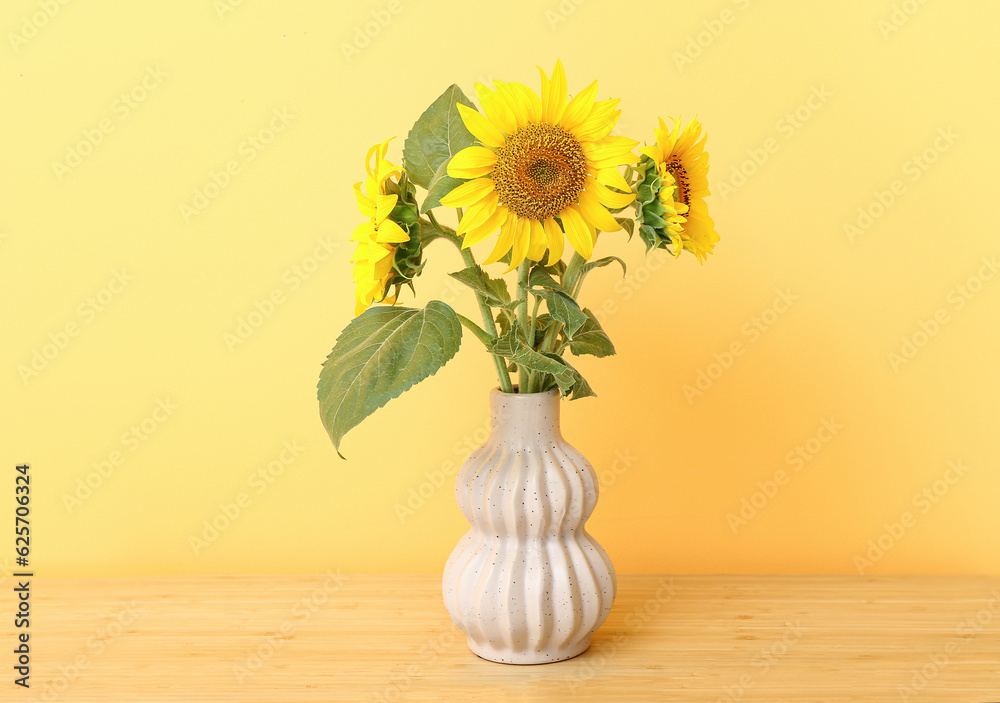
[837, 102]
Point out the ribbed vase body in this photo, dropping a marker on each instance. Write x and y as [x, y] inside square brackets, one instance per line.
[527, 584]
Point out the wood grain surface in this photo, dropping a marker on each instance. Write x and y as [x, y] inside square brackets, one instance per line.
[388, 638]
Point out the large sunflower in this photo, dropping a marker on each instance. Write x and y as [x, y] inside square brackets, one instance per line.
[378, 236]
[676, 184]
[542, 170]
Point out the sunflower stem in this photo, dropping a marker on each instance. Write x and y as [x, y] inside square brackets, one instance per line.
[523, 374]
[573, 277]
[489, 324]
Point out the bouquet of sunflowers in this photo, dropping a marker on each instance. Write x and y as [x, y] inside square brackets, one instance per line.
[528, 172]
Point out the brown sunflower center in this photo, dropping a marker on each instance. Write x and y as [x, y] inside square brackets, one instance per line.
[539, 171]
[680, 174]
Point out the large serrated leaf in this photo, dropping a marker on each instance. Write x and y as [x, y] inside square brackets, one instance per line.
[493, 289]
[438, 135]
[591, 338]
[381, 353]
[562, 308]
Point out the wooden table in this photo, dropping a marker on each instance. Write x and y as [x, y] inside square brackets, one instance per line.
[388, 638]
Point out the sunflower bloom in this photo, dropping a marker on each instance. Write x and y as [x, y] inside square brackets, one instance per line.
[675, 186]
[378, 236]
[542, 171]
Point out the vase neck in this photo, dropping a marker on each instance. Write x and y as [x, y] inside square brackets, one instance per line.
[528, 417]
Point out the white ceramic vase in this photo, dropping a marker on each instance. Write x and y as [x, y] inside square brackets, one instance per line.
[527, 584]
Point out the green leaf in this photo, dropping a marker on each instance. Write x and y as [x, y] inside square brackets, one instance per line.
[440, 185]
[562, 308]
[628, 224]
[591, 338]
[381, 353]
[493, 289]
[513, 348]
[506, 344]
[579, 388]
[438, 135]
[591, 265]
[543, 279]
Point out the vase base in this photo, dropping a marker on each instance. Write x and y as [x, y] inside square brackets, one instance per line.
[543, 656]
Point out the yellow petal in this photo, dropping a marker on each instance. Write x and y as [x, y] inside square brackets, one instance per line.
[481, 128]
[497, 111]
[554, 93]
[608, 147]
[530, 101]
[599, 122]
[579, 107]
[537, 242]
[620, 158]
[365, 204]
[383, 206]
[504, 241]
[363, 232]
[472, 162]
[383, 267]
[478, 213]
[608, 197]
[522, 238]
[612, 177]
[478, 234]
[653, 152]
[676, 245]
[515, 102]
[468, 193]
[556, 239]
[595, 213]
[391, 233]
[577, 231]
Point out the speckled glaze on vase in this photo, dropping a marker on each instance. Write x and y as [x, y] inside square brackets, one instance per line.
[527, 584]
